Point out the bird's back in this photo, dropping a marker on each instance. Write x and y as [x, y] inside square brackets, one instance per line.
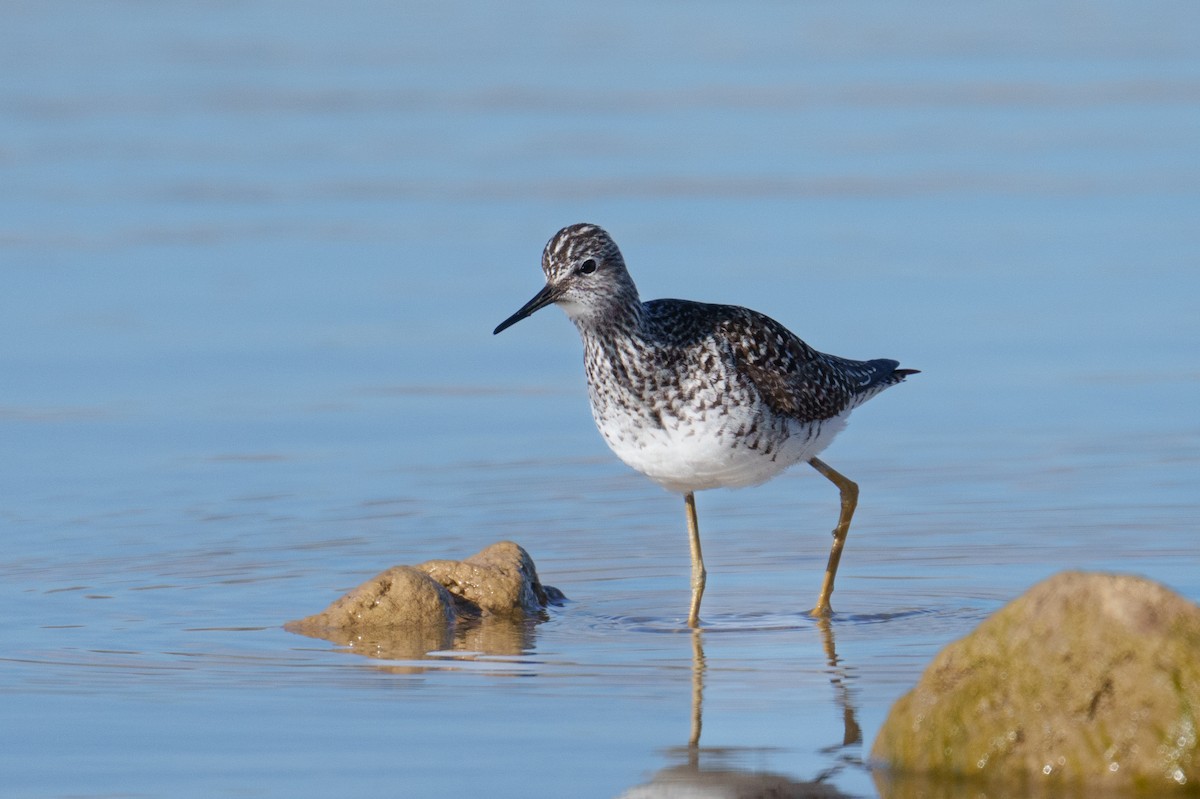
[792, 378]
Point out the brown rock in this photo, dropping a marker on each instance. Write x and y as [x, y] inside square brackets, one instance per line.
[500, 579]
[413, 609]
[401, 597]
[1085, 681]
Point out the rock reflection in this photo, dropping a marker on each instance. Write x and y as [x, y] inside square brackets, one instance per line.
[693, 779]
[488, 636]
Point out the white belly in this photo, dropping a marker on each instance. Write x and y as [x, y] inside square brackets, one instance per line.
[693, 455]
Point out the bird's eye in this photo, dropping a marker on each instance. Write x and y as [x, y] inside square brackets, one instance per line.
[587, 267]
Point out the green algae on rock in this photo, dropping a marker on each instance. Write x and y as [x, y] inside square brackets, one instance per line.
[1085, 681]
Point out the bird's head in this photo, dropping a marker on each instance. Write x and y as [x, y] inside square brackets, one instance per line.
[585, 276]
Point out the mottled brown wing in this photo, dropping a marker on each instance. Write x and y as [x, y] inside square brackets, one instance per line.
[794, 379]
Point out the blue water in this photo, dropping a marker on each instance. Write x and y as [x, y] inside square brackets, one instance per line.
[252, 254]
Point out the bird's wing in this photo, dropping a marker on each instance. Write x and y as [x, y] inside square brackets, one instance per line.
[792, 378]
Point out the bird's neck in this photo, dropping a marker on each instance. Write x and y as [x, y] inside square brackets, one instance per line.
[613, 322]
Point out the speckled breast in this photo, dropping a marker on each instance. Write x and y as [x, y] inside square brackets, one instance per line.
[690, 429]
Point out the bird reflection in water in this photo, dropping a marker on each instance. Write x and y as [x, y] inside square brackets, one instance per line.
[691, 778]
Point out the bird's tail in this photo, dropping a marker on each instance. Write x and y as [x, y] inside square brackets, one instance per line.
[879, 374]
[882, 372]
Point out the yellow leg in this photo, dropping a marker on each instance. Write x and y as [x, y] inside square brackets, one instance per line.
[698, 573]
[698, 668]
[849, 491]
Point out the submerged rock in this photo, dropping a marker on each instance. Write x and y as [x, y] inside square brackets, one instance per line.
[1087, 681]
[424, 602]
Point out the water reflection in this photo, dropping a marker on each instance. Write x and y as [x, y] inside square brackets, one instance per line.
[692, 778]
[851, 732]
[487, 636]
[681, 782]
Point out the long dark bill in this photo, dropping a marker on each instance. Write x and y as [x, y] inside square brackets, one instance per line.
[540, 300]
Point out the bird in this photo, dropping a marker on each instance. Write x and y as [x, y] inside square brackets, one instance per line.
[698, 395]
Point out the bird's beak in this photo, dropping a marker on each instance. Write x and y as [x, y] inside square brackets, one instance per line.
[545, 297]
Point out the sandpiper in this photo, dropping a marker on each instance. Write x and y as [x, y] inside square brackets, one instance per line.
[695, 395]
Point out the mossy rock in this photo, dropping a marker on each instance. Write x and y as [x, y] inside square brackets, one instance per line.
[1086, 681]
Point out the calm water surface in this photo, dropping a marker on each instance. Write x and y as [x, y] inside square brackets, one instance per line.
[252, 255]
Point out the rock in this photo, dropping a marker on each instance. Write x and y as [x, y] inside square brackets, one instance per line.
[500, 579]
[399, 597]
[1086, 682]
[425, 601]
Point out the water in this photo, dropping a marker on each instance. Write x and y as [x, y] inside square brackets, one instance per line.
[252, 254]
